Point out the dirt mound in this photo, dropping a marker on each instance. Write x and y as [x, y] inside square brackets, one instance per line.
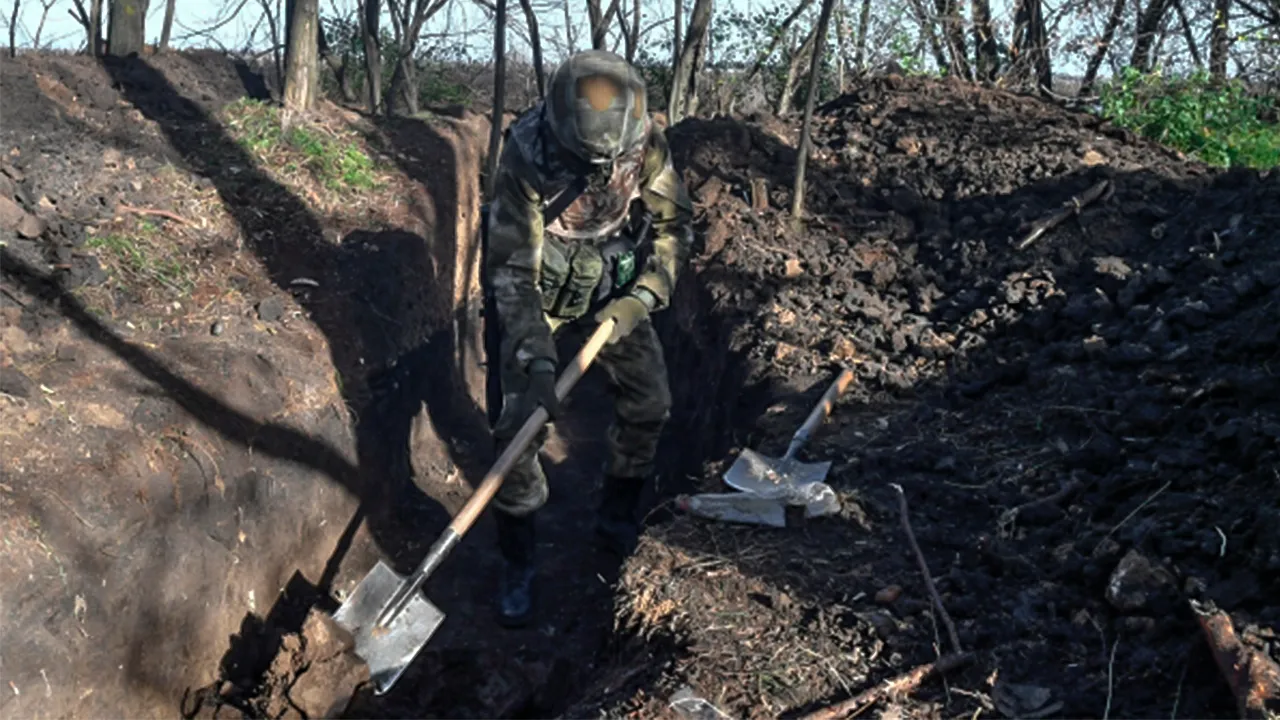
[1114, 367]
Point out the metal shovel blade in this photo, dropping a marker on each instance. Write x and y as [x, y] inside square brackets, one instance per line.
[387, 650]
[773, 477]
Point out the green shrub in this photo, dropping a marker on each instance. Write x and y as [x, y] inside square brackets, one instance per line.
[337, 162]
[1222, 124]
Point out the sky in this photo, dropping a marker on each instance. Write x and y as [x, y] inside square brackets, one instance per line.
[463, 20]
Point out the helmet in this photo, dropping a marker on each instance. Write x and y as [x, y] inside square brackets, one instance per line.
[596, 106]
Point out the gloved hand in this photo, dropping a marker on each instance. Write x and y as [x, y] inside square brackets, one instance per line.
[627, 312]
[542, 388]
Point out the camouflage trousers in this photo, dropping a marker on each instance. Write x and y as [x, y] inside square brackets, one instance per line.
[637, 377]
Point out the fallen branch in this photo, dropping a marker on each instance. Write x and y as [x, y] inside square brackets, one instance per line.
[1253, 676]
[924, 569]
[898, 687]
[152, 211]
[1070, 208]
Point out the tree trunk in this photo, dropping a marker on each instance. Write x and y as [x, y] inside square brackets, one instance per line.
[768, 51]
[404, 87]
[1100, 54]
[1219, 40]
[535, 43]
[1189, 35]
[953, 31]
[793, 71]
[842, 30]
[126, 33]
[568, 26]
[13, 29]
[864, 22]
[499, 96]
[677, 44]
[95, 27]
[372, 53]
[984, 42]
[302, 67]
[634, 45]
[690, 106]
[338, 66]
[1040, 45]
[802, 155]
[931, 35]
[167, 28]
[683, 76]
[1148, 28]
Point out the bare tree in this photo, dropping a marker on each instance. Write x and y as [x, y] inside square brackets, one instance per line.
[842, 30]
[1188, 34]
[793, 71]
[337, 65]
[1148, 28]
[91, 20]
[535, 44]
[984, 42]
[953, 31]
[802, 154]
[1031, 46]
[499, 97]
[13, 29]
[45, 7]
[677, 20]
[1104, 45]
[600, 21]
[370, 11]
[126, 33]
[273, 27]
[301, 59]
[682, 77]
[407, 19]
[926, 26]
[568, 26]
[166, 28]
[1219, 40]
[779, 34]
[864, 21]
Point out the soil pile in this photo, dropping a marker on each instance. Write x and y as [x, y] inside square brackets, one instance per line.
[1117, 367]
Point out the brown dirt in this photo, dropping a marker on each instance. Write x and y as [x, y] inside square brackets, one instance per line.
[1126, 351]
[178, 503]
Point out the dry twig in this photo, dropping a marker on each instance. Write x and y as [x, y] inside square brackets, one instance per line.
[924, 569]
[898, 687]
[1253, 676]
[153, 211]
[1071, 207]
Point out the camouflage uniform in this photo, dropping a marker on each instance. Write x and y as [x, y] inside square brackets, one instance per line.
[543, 278]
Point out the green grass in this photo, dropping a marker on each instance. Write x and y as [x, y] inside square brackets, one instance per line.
[136, 259]
[1219, 123]
[337, 163]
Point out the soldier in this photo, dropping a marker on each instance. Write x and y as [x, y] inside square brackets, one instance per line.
[589, 222]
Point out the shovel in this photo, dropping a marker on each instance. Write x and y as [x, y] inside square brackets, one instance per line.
[785, 477]
[389, 619]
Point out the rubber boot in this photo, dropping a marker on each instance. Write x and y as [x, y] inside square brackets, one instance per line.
[516, 543]
[616, 524]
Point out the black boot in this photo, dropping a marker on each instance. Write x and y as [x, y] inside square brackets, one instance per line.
[516, 542]
[616, 523]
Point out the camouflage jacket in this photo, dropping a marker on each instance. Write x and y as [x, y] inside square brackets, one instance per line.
[530, 176]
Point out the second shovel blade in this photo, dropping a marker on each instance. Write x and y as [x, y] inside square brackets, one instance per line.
[773, 477]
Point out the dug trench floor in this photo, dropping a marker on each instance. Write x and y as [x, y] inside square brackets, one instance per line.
[186, 475]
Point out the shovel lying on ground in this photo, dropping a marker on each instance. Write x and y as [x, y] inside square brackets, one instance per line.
[770, 485]
[389, 619]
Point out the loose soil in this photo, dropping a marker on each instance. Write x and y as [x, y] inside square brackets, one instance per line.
[197, 461]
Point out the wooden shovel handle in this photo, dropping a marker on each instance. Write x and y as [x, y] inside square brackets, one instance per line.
[493, 479]
[820, 411]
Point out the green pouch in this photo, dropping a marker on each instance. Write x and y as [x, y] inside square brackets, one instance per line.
[570, 275]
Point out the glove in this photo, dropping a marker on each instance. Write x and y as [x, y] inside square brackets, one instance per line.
[542, 388]
[626, 312]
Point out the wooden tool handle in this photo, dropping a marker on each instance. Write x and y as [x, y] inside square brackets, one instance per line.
[493, 479]
[819, 412]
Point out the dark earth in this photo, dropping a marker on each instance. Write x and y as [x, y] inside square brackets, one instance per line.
[195, 460]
